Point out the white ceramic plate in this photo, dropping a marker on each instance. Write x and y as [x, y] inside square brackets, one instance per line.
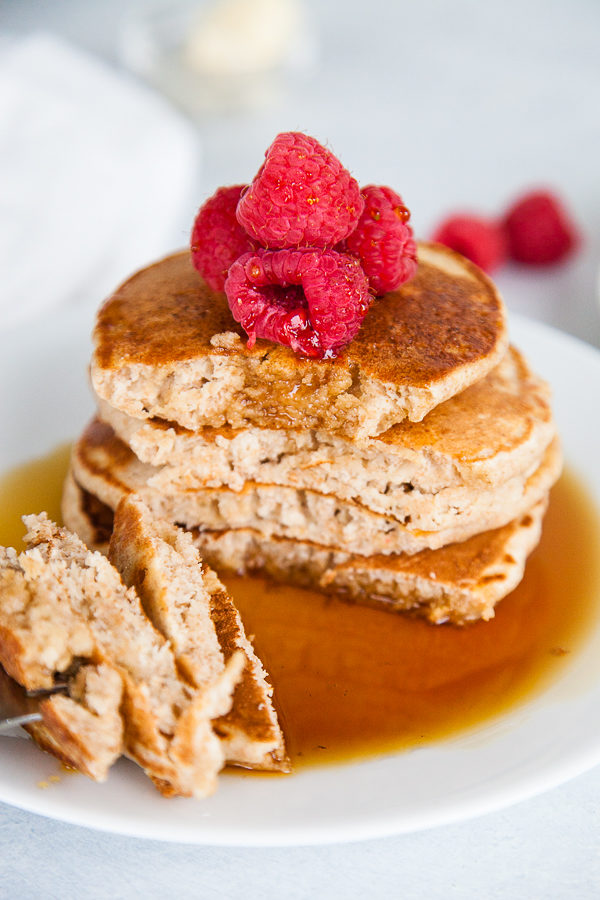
[44, 400]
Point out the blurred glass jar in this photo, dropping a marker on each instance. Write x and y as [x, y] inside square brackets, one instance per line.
[219, 55]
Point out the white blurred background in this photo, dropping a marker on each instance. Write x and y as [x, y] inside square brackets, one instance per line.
[116, 122]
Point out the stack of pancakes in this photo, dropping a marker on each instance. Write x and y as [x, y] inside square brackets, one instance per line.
[412, 471]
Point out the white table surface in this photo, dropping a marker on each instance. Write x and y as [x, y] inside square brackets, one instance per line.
[456, 105]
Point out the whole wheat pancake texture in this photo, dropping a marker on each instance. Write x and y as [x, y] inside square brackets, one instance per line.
[107, 468]
[493, 431]
[157, 662]
[167, 346]
[62, 606]
[459, 583]
[188, 604]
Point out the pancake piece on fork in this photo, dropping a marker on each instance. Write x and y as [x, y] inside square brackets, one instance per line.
[190, 606]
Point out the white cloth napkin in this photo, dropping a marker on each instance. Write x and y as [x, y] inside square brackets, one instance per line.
[98, 176]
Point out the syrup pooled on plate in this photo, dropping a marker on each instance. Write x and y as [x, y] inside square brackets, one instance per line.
[352, 682]
[33, 487]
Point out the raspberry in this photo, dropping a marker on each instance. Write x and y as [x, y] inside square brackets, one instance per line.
[301, 196]
[383, 240]
[480, 240]
[217, 237]
[311, 300]
[539, 230]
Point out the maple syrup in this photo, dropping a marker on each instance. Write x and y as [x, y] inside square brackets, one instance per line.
[353, 682]
[30, 488]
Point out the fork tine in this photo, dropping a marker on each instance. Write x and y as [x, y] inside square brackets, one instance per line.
[7, 725]
[18, 706]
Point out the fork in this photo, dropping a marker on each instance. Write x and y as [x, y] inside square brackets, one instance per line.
[19, 706]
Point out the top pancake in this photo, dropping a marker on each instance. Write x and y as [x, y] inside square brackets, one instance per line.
[168, 346]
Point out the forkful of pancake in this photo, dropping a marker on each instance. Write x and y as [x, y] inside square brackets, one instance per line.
[310, 396]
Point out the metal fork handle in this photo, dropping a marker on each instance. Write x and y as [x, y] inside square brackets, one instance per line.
[18, 706]
[7, 725]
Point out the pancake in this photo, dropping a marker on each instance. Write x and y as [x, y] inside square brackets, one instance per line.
[167, 346]
[107, 468]
[493, 431]
[63, 607]
[458, 583]
[187, 603]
